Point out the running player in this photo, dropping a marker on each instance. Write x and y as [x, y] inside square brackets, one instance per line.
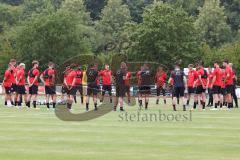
[229, 83]
[128, 86]
[209, 82]
[106, 76]
[92, 85]
[201, 84]
[191, 78]
[32, 79]
[7, 84]
[48, 78]
[120, 78]
[160, 81]
[216, 85]
[145, 87]
[21, 81]
[179, 84]
[69, 82]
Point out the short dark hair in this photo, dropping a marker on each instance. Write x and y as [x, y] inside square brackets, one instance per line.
[190, 65]
[72, 66]
[34, 62]
[226, 61]
[50, 63]
[13, 60]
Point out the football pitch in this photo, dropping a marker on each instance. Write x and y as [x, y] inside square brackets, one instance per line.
[40, 135]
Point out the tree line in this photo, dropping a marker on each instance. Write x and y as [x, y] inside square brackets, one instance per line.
[144, 30]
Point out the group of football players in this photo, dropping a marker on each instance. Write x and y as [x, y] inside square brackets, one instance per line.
[220, 83]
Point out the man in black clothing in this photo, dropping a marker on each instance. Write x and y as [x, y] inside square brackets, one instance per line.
[179, 85]
[145, 87]
[92, 85]
[120, 77]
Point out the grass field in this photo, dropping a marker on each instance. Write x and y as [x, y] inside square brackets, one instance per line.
[39, 135]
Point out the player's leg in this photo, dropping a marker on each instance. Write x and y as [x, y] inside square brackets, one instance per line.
[95, 93]
[128, 94]
[110, 93]
[158, 95]
[89, 93]
[234, 96]
[164, 95]
[175, 96]
[81, 93]
[103, 93]
[216, 96]
[116, 98]
[146, 100]
[203, 100]
[121, 103]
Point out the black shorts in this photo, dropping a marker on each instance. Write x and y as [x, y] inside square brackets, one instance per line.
[50, 90]
[120, 91]
[21, 89]
[8, 90]
[191, 90]
[223, 91]
[92, 89]
[178, 91]
[14, 88]
[159, 90]
[33, 89]
[107, 88]
[229, 89]
[127, 88]
[71, 91]
[145, 90]
[216, 90]
[210, 91]
[79, 88]
[200, 90]
[64, 90]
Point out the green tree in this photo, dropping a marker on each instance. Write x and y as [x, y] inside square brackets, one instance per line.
[113, 19]
[12, 2]
[31, 7]
[211, 24]
[232, 9]
[190, 6]
[167, 34]
[136, 8]
[8, 15]
[55, 37]
[95, 7]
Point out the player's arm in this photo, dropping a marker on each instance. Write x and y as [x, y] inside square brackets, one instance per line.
[65, 82]
[200, 79]
[227, 76]
[208, 81]
[73, 83]
[35, 79]
[28, 80]
[42, 79]
[185, 80]
[214, 80]
[18, 80]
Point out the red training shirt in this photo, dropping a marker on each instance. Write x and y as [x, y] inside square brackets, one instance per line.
[106, 76]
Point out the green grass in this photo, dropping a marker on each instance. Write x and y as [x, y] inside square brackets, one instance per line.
[39, 135]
